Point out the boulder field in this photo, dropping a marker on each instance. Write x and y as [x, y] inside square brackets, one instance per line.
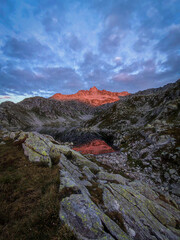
[97, 203]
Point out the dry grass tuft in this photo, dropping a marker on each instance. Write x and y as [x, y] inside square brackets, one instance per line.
[29, 198]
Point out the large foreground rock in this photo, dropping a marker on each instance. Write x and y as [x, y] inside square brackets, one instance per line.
[103, 205]
[37, 148]
[87, 220]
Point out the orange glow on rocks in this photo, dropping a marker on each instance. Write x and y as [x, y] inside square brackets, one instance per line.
[93, 96]
[94, 147]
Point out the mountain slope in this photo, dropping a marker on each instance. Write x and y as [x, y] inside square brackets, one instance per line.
[140, 108]
[146, 128]
[38, 111]
[93, 96]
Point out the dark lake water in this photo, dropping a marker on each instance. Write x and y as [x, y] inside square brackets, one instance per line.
[84, 142]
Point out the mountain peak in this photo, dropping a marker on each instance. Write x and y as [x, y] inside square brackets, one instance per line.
[93, 96]
[93, 89]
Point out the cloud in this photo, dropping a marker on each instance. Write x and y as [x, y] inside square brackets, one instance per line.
[93, 61]
[117, 59]
[117, 24]
[97, 77]
[6, 9]
[110, 41]
[51, 79]
[172, 63]
[21, 49]
[21, 80]
[14, 98]
[64, 46]
[147, 74]
[122, 77]
[74, 43]
[51, 22]
[171, 42]
[61, 79]
[5, 97]
[59, 73]
[95, 70]
[141, 44]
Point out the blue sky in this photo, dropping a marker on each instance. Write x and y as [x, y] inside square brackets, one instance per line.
[66, 45]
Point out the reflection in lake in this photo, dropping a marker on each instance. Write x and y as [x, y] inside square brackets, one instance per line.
[84, 142]
[95, 147]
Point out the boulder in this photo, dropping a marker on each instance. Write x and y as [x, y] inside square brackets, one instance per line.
[87, 220]
[112, 177]
[37, 148]
[146, 218]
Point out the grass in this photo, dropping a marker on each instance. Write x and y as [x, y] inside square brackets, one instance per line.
[117, 218]
[96, 194]
[29, 198]
[97, 197]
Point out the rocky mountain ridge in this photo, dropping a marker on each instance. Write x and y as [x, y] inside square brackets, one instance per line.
[93, 96]
[39, 111]
[141, 108]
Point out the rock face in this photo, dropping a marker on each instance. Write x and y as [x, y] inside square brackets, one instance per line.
[93, 96]
[38, 148]
[38, 111]
[98, 204]
[106, 204]
[139, 109]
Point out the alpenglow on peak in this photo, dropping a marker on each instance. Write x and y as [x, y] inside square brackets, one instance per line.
[93, 96]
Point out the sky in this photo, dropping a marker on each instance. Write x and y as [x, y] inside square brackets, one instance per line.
[62, 46]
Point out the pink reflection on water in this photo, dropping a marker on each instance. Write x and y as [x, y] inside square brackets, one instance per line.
[94, 147]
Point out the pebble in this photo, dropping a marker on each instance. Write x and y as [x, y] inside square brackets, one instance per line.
[166, 175]
[132, 232]
[172, 171]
